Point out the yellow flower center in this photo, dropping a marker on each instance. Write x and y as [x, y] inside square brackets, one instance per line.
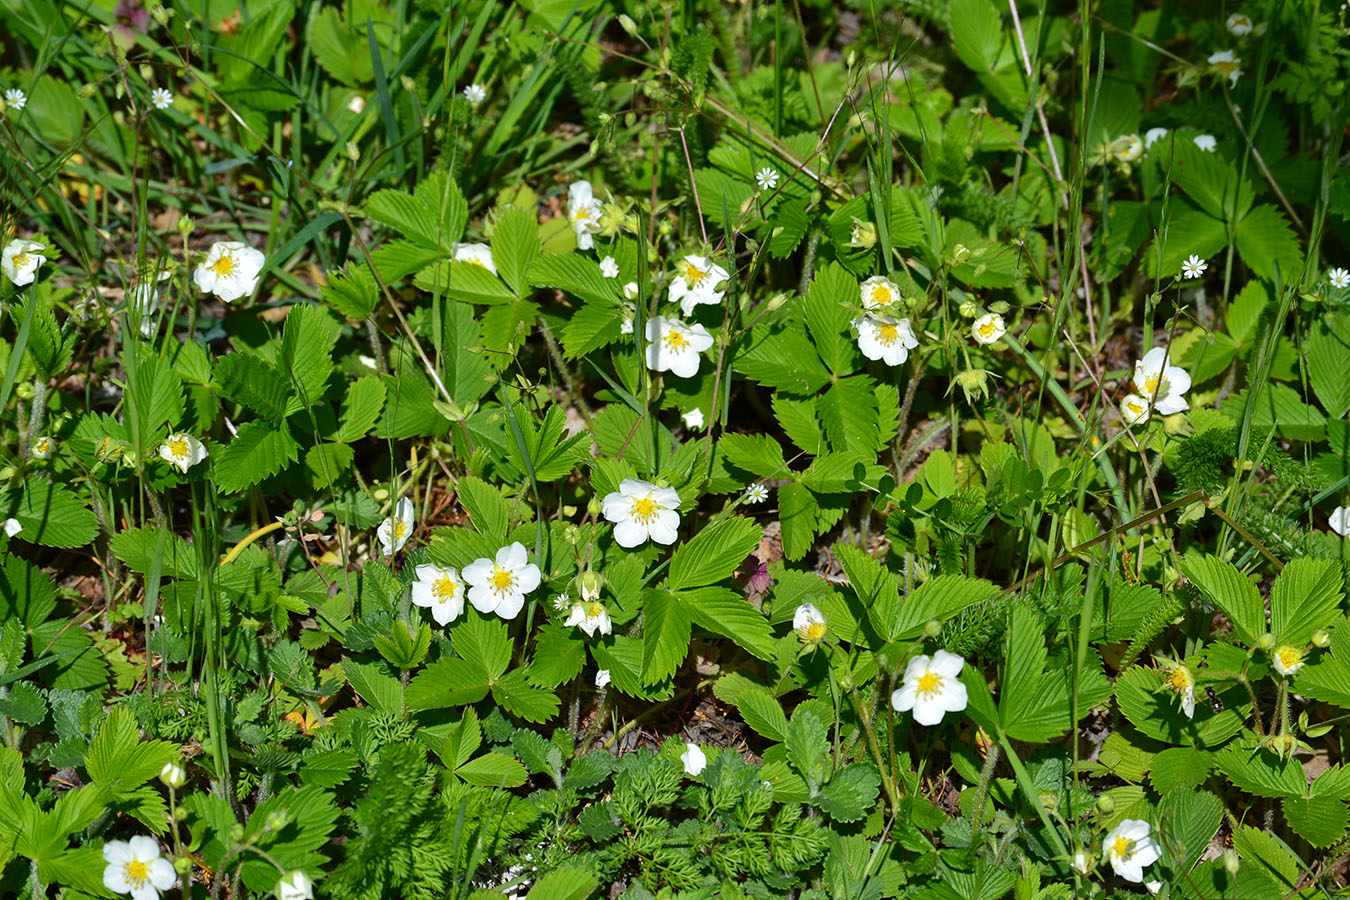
[583, 215]
[1179, 679]
[1241, 21]
[444, 589]
[814, 631]
[21, 259]
[888, 333]
[594, 610]
[136, 872]
[179, 448]
[881, 295]
[397, 529]
[1156, 383]
[1226, 67]
[693, 274]
[1123, 847]
[477, 262]
[675, 341]
[502, 580]
[644, 509]
[223, 266]
[930, 683]
[1135, 407]
[1289, 657]
[987, 329]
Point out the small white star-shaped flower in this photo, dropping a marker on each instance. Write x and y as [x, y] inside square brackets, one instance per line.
[15, 99]
[161, 98]
[475, 93]
[756, 493]
[766, 178]
[1193, 267]
[609, 268]
[1339, 278]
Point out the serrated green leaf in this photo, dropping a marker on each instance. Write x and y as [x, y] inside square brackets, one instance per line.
[1257, 770]
[558, 658]
[939, 599]
[1191, 819]
[307, 354]
[723, 611]
[24, 704]
[808, 746]
[578, 276]
[798, 418]
[1143, 700]
[713, 553]
[515, 246]
[1230, 590]
[51, 514]
[1328, 349]
[762, 711]
[797, 513]
[485, 644]
[361, 409]
[665, 635]
[486, 507]
[136, 548]
[328, 462]
[352, 292]
[27, 594]
[1266, 242]
[373, 686]
[785, 360]
[1306, 596]
[257, 452]
[1320, 821]
[254, 382]
[493, 770]
[758, 454]
[521, 699]
[446, 683]
[1180, 768]
[851, 793]
[463, 281]
[565, 884]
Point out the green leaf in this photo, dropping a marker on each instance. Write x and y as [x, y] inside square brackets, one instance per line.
[402, 649]
[352, 292]
[136, 548]
[486, 507]
[1328, 349]
[158, 396]
[254, 382]
[665, 635]
[976, 34]
[578, 276]
[592, 326]
[1180, 768]
[713, 553]
[494, 770]
[1254, 768]
[464, 281]
[1255, 845]
[565, 884]
[27, 594]
[827, 317]
[874, 586]
[785, 360]
[762, 711]
[361, 409]
[337, 48]
[808, 747]
[1281, 407]
[52, 515]
[798, 418]
[373, 686]
[521, 699]
[328, 768]
[119, 760]
[723, 611]
[307, 354]
[445, 683]
[938, 598]
[851, 793]
[1266, 242]
[515, 246]
[1191, 819]
[1306, 596]
[797, 513]
[1153, 711]
[257, 452]
[558, 657]
[849, 413]
[412, 217]
[758, 454]
[328, 462]
[1320, 821]
[485, 644]
[1189, 231]
[1230, 590]
[24, 704]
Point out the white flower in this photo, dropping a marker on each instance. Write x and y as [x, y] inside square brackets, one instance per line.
[693, 418]
[1206, 142]
[640, 510]
[439, 590]
[144, 298]
[878, 292]
[583, 211]
[295, 886]
[885, 338]
[1339, 278]
[357, 104]
[1227, 65]
[694, 760]
[1194, 266]
[1153, 886]
[602, 678]
[609, 268]
[12, 527]
[766, 178]
[173, 775]
[394, 531]
[1160, 382]
[1287, 660]
[931, 687]
[756, 493]
[1239, 25]
[1134, 410]
[1081, 863]
[500, 586]
[161, 98]
[1129, 848]
[1128, 148]
[136, 868]
[988, 328]
[21, 260]
[230, 270]
[590, 618]
[808, 622]
[562, 601]
[674, 347]
[1153, 135]
[478, 254]
[627, 326]
[697, 283]
[43, 448]
[16, 99]
[475, 93]
[1339, 520]
[1181, 682]
[182, 450]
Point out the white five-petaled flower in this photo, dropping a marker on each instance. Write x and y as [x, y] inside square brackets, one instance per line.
[693, 418]
[1287, 660]
[1129, 848]
[609, 268]
[21, 259]
[590, 617]
[694, 760]
[43, 448]
[1153, 135]
[988, 328]
[500, 585]
[878, 293]
[809, 623]
[756, 493]
[583, 211]
[766, 178]
[15, 99]
[1194, 266]
[12, 527]
[439, 590]
[477, 254]
[161, 98]
[394, 531]
[1134, 409]
[1128, 148]
[136, 868]
[1339, 520]
[885, 338]
[674, 347]
[1181, 682]
[1206, 142]
[182, 450]
[1239, 25]
[357, 104]
[931, 688]
[1161, 383]
[602, 678]
[1339, 278]
[230, 270]
[295, 886]
[697, 283]
[1227, 65]
[640, 510]
[475, 93]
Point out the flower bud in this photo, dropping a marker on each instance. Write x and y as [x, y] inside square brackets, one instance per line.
[408, 84]
[88, 91]
[353, 151]
[933, 628]
[846, 682]
[1266, 641]
[864, 234]
[1230, 861]
[590, 584]
[1106, 804]
[776, 302]
[183, 866]
[1320, 638]
[627, 24]
[595, 506]
[184, 226]
[969, 310]
[277, 819]
[173, 775]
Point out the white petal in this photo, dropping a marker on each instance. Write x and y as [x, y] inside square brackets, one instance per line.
[953, 696]
[144, 848]
[902, 699]
[948, 665]
[162, 874]
[483, 598]
[513, 556]
[665, 497]
[511, 604]
[117, 852]
[616, 507]
[1178, 379]
[478, 572]
[928, 710]
[1171, 405]
[422, 595]
[527, 578]
[917, 666]
[629, 533]
[664, 527]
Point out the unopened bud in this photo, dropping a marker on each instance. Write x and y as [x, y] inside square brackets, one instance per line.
[408, 84]
[173, 775]
[969, 310]
[1106, 805]
[1230, 861]
[590, 584]
[933, 628]
[776, 302]
[88, 91]
[353, 151]
[1320, 638]
[1266, 641]
[184, 226]
[627, 24]
[277, 819]
[595, 506]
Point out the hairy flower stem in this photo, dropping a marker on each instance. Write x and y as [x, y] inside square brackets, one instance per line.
[864, 716]
[39, 414]
[982, 791]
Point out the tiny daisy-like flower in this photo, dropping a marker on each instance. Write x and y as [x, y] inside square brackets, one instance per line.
[20, 261]
[809, 623]
[698, 283]
[590, 618]
[1181, 682]
[439, 590]
[15, 99]
[694, 760]
[609, 268]
[230, 270]
[885, 338]
[675, 347]
[161, 98]
[1194, 266]
[1153, 135]
[1129, 848]
[641, 510]
[357, 104]
[135, 867]
[1206, 142]
[499, 585]
[931, 688]
[1134, 409]
[602, 678]
[878, 293]
[562, 601]
[394, 531]
[583, 211]
[1158, 381]
[477, 254]
[1239, 25]
[766, 178]
[475, 93]
[1339, 520]
[1287, 660]
[1227, 65]
[987, 329]
[182, 450]
[756, 493]
[1339, 278]
[1128, 148]
[43, 448]
[693, 418]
